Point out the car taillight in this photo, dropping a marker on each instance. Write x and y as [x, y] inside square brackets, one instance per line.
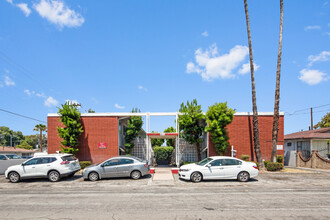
[255, 167]
[146, 165]
[65, 162]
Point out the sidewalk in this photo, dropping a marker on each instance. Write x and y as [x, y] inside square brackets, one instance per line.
[308, 169]
[163, 176]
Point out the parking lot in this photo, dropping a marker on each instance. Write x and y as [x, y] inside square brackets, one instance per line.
[291, 195]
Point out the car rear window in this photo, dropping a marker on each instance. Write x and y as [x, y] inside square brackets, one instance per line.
[44, 160]
[126, 161]
[13, 156]
[67, 158]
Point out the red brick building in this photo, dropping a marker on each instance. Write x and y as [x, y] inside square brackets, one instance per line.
[102, 135]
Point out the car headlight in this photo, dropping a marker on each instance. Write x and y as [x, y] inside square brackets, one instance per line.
[184, 170]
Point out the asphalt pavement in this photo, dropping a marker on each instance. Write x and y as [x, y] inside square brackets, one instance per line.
[304, 195]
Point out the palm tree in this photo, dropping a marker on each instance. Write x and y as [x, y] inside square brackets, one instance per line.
[41, 128]
[277, 90]
[255, 123]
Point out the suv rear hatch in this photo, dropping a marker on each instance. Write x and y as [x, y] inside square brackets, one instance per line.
[71, 162]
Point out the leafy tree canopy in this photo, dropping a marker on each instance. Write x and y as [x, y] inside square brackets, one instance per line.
[24, 145]
[218, 116]
[325, 122]
[156, 142]
[192, 123]
[70, 117]
[170, 142]
[134, 125]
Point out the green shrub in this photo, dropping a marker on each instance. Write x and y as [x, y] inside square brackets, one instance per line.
[279, 159]
[84, 164]
[163, 153]
[274, 166]
[245, 157]
[265, 163]
[24, 145]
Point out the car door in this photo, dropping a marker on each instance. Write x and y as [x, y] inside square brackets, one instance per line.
[232, 167]
[125, 166]
[43, 165]
[109, 168]
[214, 170]
[29, 168]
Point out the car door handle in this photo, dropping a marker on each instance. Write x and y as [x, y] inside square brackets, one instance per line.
[48, 165]
[33, 167]
[221, 168]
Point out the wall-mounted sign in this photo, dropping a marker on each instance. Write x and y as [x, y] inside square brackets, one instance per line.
[279, 147]
[102, 145]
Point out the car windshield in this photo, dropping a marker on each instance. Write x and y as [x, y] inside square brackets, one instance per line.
[13, 156]
[205, 161]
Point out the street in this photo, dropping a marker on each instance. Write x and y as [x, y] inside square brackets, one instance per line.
[303, 195]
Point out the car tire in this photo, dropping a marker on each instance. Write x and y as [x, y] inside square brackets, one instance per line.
[243, 176]
[93, 176]
[14, 177]
[135, 175]
[54, 176]
[196, 177]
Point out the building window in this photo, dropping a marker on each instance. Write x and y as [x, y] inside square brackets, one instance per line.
[289, 144]
[299, 145]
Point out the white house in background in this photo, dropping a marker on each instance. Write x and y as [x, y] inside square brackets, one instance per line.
[18, 151]
[306, 142]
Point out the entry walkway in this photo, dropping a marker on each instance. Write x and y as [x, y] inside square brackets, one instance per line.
[163, 176]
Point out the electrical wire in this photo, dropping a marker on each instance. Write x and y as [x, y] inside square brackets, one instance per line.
[23, 116]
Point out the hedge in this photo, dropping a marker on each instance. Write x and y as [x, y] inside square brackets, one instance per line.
[163, 153]
[274, 166]
[279, 159]
[84, 164]
[245, 157]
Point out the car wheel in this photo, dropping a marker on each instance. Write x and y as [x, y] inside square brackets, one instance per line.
[196, 177]
[14, 177]
[54, 176]
[136, 175]
[93, 176]
[243, 176]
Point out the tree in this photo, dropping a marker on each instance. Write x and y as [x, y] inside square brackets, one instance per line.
[33, 140]
[24, 145]
[156, 142]
[170, 142]
[218, 116]
[91, 111]
[192, 124]
[325, 122]
[70, 117]
[41, 128]
[277, 90]
[255, 123]
[134, 125]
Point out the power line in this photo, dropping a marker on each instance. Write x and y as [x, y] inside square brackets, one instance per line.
[305, 109]
[23, 116]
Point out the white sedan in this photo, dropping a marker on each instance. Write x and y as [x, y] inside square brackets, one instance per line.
[219, 167]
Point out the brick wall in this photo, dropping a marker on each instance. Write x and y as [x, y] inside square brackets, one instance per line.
[241, 136]
[96, 130]
[315, 161]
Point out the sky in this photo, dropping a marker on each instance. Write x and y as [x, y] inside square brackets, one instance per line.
[112, 56]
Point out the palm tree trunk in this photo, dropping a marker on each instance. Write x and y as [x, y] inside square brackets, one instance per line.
[256, 139]
[277, 91]
[40, 140]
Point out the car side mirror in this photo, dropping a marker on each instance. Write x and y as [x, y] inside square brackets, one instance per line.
[23, 164]
[102, 165]
[208, 165]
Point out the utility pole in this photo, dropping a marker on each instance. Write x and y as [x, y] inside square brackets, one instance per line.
[311, 118]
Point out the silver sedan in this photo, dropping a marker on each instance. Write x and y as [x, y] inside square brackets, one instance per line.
[122, 166]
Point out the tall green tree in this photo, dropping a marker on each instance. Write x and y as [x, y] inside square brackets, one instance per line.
[255, 122]
[277, 90]
[40, 128]
[192, 124]
[70, 117]
[325, 122]
[134, 125]
[170, 142]
[218, 116]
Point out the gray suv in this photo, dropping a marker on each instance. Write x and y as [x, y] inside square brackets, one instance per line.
[122, 166]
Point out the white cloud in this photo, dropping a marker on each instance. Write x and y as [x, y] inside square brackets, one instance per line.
[9, 81]
[10, 1]
[142, 88]
[246, 68]
[24, 8]
[56, 12]
[50, 101]
[119, 106]
[41, 95]
[312, 27]
[210, 65]
[312, 77]
[28, 92]
[205, 34]
[322, 57]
